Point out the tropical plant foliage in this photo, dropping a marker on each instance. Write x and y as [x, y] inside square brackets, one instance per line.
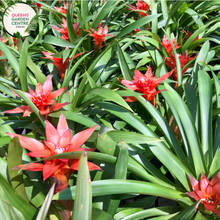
[110, 101]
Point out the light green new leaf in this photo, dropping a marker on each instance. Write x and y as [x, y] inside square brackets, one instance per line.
[160, 211]
[40, 77]
[46, 204]
[205, 103]
[83, 200]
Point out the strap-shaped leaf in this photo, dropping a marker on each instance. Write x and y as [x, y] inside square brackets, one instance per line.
[83, 200]
[205, 103]
[190, 130]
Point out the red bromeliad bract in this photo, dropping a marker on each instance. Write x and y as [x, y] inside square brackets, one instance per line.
[57, 141]
[189, 35]
[58, 62]
[206, 191]
[184, 59]
[42, 97]
[140, 6]
[167, 45]
[64, 30]
[99, 35]
[145, 84]
[63, 9]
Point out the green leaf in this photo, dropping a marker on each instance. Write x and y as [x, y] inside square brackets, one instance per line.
[80, 118]
[166, 129]
[214, 168]
[120, 173]
[146, 202]
[10, 57]
[83, 200]
[173, 11]
[4, 128]
[98, 214]
[205, 103]
[160, 211]
[140, 22]
[46, 204]
[23, 65]
[15, 151]
[192, 102]
[132, 137]
[70, 28]
[123, 65]
[57, 41]
[188, 213]
[111, 95]
[108, 187]
[199, 59]
[104, 143]
[103, 12]
[126, 212]
[69, 76]
[133, 166]
[217, 126]
[154, 23]
[40, 77]
[159, 149]
[8, 196]
[190, 130]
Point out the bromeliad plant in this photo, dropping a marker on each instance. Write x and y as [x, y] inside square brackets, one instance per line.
[163, 144]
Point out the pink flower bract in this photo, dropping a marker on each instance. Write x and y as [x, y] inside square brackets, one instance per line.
[167, 45]
[99, 35]
[206, 191]
[57, 141]
[145, 84]
[58, 62]
[184, 59]
[64, 31]
[42, 97]
[143, 6]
